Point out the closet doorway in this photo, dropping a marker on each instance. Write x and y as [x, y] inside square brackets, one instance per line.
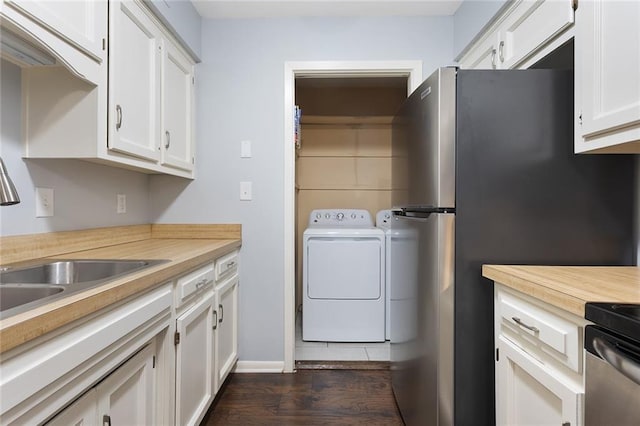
[341, 159]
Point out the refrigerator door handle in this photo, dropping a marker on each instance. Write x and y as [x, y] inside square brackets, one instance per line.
[422, 212]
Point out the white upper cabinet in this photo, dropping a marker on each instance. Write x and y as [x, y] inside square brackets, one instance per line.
[523, 33]
[135, 52]
[68, 33]
[484, 54]
[177, 109]
[529, 27]
[131, 108]
[607, 55]
[77, 22]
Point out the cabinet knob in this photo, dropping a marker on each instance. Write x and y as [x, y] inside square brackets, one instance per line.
[501, 50]
[215, 320]
[106, 420]
[221, 308]
[493, 58]
[168, 138]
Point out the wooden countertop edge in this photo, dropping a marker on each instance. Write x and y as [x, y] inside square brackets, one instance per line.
[20, 248]
[29, 325]
[541, 292]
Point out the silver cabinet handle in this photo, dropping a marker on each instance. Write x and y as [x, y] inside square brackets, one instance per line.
[528, 327]
[106, 420]
[230, 264]
[613, 356]
[168, 143]
[215, 320]
[201, 283]
[501, 50]
[221, 313]
[493, 58]
[118, 117]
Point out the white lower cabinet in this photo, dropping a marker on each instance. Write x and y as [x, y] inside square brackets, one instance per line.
[82, 412]
[539, 362]
[194, 361]
[158, 358]
[531, 395]
[226, 335]
[126, 396]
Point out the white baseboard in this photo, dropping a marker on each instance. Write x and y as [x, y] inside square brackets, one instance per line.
[259, 367]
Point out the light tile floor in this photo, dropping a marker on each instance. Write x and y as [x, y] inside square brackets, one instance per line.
[332, 351]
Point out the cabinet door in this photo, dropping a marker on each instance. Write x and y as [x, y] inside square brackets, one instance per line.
[484, 55]
[127, 396]
[82, 23]
[607, 49]
[529, 26]
[177, 108]
[83, 412]
[528, 394]
[194, 361]
[134, 81]
[227, 330]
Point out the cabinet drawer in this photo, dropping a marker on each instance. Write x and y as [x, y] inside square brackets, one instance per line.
[540, 332]
[189, 284]
[226, 265]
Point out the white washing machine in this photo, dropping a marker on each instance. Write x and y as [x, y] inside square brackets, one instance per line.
[343, 278]
[383, 221]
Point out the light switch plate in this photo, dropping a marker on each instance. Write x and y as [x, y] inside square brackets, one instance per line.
[44, 202]
[121, 203]
[245, 191]
[245, 149]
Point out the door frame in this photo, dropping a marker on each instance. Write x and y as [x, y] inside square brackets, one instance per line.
[412, 69]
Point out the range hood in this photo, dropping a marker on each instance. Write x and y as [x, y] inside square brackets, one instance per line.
[21, 52]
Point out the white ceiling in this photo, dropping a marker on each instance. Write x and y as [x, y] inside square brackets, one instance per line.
[300, 8]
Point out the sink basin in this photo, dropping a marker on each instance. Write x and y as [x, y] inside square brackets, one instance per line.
[64, 272]
[12, 295]
[24, 287]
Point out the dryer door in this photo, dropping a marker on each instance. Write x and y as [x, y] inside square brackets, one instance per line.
[344, 268]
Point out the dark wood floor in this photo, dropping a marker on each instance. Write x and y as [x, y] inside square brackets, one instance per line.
[308, 397]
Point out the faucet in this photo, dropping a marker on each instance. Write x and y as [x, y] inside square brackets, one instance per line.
[8, 194]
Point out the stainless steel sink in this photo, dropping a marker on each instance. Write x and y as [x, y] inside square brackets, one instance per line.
[24, 287]
[63, 272]
[12, 295]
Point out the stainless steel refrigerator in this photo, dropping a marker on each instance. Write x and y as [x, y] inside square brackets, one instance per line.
[484, 172]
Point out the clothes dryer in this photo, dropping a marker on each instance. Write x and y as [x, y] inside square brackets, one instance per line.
[383, 222]
[343, 277]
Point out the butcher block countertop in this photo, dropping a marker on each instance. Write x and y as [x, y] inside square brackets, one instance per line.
[570, 287]
[184, 246]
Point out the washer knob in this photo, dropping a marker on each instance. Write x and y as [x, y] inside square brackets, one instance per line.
[327, 216]
[340, 216]
[353, 215]
[387, 216]
[318, 215]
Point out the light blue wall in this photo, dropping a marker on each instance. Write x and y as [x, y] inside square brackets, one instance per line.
[470, 18]
[84, 193]
[240, 95]
[183, 19]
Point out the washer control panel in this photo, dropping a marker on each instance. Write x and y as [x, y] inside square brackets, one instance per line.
[340, 217]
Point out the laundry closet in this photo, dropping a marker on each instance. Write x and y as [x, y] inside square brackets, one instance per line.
[343, 148]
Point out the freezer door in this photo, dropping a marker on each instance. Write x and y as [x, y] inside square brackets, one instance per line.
[422, 317]
[423, 144]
